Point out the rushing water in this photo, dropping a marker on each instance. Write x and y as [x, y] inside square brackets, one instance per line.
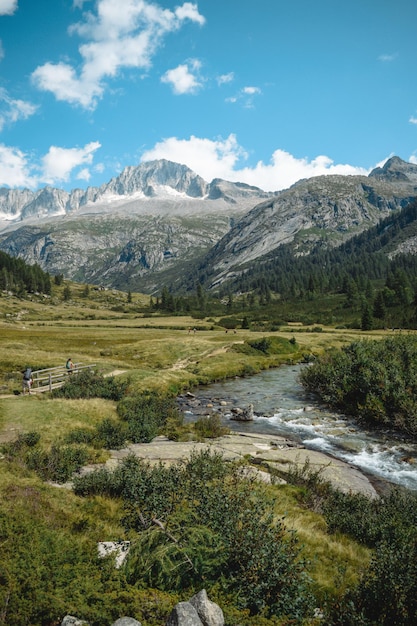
[283, 407]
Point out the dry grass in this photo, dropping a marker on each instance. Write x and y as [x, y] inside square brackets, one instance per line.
[55, 418]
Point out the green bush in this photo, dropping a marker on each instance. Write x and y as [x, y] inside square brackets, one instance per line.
[175, 429]
[145, 414]
[47, 571]
[98, 483]
[89, 384]
[210, 426]
[22, 443]
[81, 435]
[375, 381]
[111, 434]
[262, 345]
[386, 592]
[229, 323]
[202, 522]
[59, 464]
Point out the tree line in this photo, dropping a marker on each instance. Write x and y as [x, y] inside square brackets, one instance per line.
[19, 277]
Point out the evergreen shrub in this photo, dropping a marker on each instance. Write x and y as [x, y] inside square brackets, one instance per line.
[145, 414]
[90, 384]
[59, 464]
[202, 521]
[210, 426]
[81, 435]
[386, 593]
[375, 381]
[23, 442]
[111, 435]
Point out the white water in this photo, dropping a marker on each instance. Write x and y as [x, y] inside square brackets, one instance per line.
[283, 407]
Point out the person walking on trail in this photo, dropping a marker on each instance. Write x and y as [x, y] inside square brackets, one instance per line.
[69, 366]
[27, 380]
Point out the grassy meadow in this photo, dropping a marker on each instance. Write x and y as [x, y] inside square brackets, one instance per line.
[153, 353]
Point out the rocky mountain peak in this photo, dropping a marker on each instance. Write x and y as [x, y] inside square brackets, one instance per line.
[232, 192]
[396, 170]
[152, 177]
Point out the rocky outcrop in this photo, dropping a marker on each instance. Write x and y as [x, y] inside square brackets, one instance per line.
[199, 611]
[271, 452]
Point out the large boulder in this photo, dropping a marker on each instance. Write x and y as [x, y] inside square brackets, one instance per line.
[209, 612]
[70, 620]
[126, 621]
[243, 415]
[184, 614]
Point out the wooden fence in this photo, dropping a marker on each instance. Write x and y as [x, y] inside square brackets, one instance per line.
[55, 377]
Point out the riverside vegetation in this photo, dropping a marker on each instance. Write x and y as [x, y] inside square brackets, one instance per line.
[269, 555]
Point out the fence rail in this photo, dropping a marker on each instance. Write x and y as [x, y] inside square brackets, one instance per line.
[54, 377]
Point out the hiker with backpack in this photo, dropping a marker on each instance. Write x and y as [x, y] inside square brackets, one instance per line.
[27, 380]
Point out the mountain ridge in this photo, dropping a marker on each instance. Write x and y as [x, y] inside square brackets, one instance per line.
[151, 180]
[157, 222]
[327, 208]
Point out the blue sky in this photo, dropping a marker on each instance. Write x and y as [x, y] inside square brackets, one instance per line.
[259, 91]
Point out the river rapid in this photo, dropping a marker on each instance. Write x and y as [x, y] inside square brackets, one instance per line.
[283, 407]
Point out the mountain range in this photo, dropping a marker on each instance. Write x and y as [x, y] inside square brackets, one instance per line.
[155, 223]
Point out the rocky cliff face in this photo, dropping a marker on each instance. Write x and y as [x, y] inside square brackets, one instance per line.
[154, 222]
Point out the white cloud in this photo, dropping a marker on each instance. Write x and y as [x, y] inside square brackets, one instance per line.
[190, 11]
[245, 96]
[115, 39]
[183, 79]
[58, 163]
[8, 7]
[222, 158]
[14, 168]
[284, 170]
[210, 159]
[251, 91]
[62, 81]
[13, 110]
[225, 78]
[387, 58]
[99, 168]
[413, 159]
[413, 120]
[84, 174]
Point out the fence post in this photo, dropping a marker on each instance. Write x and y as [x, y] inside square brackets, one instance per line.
[50, 382]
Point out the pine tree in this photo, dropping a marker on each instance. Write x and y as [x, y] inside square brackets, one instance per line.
[367, 319]
[380, 310]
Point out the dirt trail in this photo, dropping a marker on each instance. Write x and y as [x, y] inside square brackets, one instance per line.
[183, 363]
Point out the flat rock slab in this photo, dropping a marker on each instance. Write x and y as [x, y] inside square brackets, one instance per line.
[271, 451]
